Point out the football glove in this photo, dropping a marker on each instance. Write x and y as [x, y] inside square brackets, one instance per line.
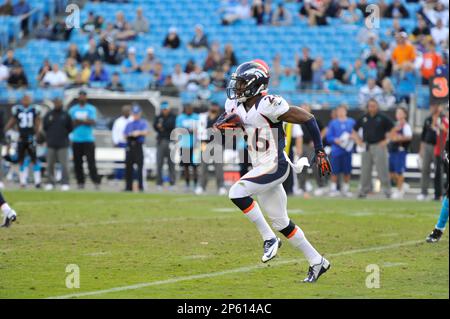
[323, 163]
[228, 121]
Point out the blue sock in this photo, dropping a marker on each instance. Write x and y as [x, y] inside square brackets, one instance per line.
[443, 218]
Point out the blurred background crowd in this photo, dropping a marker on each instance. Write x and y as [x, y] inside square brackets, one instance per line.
[325, 55]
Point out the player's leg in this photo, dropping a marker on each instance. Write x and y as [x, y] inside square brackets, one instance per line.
[366, 173]
[336, 163]
[31, 150]
[274, 203]
[347, 171]
[436, 235]
[9, 215]
[23, 169]
[257, 181]
[78, 154]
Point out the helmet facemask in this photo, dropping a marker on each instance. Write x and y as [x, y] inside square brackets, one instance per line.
[241, 90]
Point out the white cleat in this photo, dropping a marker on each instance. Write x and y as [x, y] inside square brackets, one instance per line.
[270, 249]
[223, 191]
[199, 191]
[65, 188]
[316, 271]
[49, 187]
[422, 197]
[9, 219]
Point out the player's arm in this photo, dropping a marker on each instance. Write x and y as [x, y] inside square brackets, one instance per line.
[37, 124]
[12, 121]
[297, 115]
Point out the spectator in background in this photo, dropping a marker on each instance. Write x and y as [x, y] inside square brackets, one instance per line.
[405, 82]
[305, 69]
[60, 30]
[86, 72]
[370, 91]
[45, 30]
[22, 8]
[396, 28]
[46, 67]
[93, 54]
[228, 55]
[440, 32]
[315, 12]
[356, 75]
[318, 74]
[164, 124]
[206, 122]
[6, 9]
[112, 55]
[350, 14]
[84, 117]
[401, 137]
[89, 25]
[71, 69]
[115, 85]
[2, 141]
[403, 52]
[4, 73]
[10, 61]
[288, 80]
[281, 16]
[199, 41]
[330, 82]
[99, 73]
[158, 77]
[338, 71]
[195, 78]
[218, 81]
[140, 24]
[387, 99]
[421, 30]
[168, 88]
[396, 10]
[276, 70]
[128, 34]
[120, 22]
[17, 78]
[150, 60]
[430, 61]
[433, 126]
[258, 11]
[188, 121]
[190, 66]
[130, 64]
[179, 78]
[375, 129]
[214, 59]
[74, 53]
[55, 77]
[339, 135]
[135, 132]
[118, 136]
[236, 12]
[172, 40]
[57, 126]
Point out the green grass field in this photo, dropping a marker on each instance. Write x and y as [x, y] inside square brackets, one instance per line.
[181, 246]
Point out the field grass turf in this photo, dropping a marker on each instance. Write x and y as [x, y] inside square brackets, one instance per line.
[182, 246]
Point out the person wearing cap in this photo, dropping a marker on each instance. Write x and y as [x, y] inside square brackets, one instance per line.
[403, 52]
[57, 126]
[172, 40]
[130, 64]
[199, 40]
[148, 65]
[339, 135]
[135, 133]
[84, 117]
[164, 124]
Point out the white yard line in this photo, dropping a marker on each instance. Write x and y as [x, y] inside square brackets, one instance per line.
[228, 272]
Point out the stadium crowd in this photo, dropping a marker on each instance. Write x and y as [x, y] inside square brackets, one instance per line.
[386, 73]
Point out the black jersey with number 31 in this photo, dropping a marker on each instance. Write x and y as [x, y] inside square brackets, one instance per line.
[26, 119]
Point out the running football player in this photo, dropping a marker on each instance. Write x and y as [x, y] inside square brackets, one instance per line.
[261, 116]
[438, 231]
[9, 215]
[27, 118]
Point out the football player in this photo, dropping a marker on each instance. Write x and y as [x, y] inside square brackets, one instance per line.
[9, 215]
[27, 118]
[438, 231]
[261, 116]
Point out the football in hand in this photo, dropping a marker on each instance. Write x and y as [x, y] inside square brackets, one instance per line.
[229, 121]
